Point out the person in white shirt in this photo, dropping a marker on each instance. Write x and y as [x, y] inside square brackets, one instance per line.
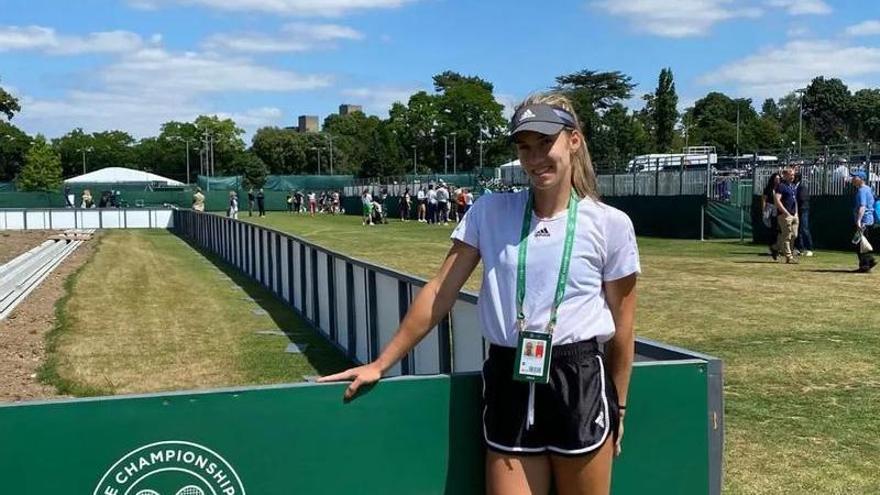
[421, 208]
[443, 204]
[561, 282]
[432, 204]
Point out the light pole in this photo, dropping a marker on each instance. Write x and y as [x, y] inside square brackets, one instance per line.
[445, 154]
[414, 159]
[800, 121]
[318, 152]
[454, 154]
[187, 141]
[330, 138]
[84, 150]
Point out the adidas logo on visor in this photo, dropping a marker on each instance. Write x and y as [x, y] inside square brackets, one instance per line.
[527, 115]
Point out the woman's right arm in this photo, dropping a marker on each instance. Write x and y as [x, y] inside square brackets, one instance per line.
[431, 304]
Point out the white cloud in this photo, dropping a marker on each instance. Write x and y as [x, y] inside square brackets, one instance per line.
[294, 37]
[676, 18]
[802, 7]
[776, 71]
[318, 8]
[44, 39]
[797, 32]
[867, 28]
[156, 70]
[141, 90]
[378, 100]
[255, 117]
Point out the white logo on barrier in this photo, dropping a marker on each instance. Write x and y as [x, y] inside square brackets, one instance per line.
[171, 468]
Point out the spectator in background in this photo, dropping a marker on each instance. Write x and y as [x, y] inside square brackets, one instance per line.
[804, 242]
[251, 199]
[432, 204]
[87, 201]
[405, 205]
[198, 200]
[468, 200]
[442, 204]
[863, 213]
[367, 203]
[69, 198]
[233, 205]
[261, 202]
[313, 202]
[421, 207]
[768, 211]
[334, 208]
[289, 203]
[298, 202]
[787, 215]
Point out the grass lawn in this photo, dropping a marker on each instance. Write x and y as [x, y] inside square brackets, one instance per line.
[800, 344]
[149, 313]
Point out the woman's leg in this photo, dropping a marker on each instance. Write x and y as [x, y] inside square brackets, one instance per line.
[517, 475]
[584, 475]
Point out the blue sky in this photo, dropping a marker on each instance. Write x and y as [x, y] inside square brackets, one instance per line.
[134, 64]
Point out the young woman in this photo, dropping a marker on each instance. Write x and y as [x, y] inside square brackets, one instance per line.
[367, 205]
[561, 283]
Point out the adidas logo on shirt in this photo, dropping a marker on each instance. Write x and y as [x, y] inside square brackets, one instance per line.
[526, 115]
[542, 232]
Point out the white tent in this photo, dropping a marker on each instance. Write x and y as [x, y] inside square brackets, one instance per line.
[115, 175]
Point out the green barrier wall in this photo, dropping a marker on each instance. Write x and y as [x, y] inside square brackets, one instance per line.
[728, 221]
[408, 436]
[662, 216]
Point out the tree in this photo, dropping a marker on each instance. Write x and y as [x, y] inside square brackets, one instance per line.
[769, 109]
[865, 123]
[42, 168]
[70, 148]
[252, 168]
[713, 121]
[591, 93]
[14, 144]
[620, 136]
[665, 111]
[8, 104]
[225, 141]
[826, 109]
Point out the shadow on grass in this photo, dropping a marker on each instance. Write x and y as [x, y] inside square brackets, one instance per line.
[835, 270]
[748, 262]
[321, 354]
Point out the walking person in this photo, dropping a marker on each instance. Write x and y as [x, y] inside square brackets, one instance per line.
[261, 202]
[198, 200]
[786, 215]
[863, 214]
[442, 204]
[251, 201]
[559, 420]
[313, 203]
[804, 241]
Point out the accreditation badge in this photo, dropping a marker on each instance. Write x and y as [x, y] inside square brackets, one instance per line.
[533, 357]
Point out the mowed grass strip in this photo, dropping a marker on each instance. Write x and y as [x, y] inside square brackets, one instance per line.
[800, 344]
[150, 313]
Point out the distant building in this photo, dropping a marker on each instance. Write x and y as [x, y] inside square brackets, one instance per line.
[347, 108]
[308, 123]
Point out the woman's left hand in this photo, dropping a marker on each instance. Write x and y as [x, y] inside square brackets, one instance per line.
[617, 448]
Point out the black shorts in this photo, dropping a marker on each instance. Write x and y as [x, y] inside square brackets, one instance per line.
[573, 414]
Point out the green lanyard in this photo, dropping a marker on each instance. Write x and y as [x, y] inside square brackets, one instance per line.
[563, 267]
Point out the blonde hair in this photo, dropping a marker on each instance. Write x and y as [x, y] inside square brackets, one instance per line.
[583, 176]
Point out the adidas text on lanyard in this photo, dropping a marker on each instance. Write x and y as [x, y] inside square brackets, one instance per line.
[534, 349]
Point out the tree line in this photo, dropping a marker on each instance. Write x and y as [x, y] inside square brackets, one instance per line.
[458, 126]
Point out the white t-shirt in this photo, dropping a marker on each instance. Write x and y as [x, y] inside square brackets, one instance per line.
[432, 196]
[604, 250]
[442, 195]
[367, 199]
[420, 195]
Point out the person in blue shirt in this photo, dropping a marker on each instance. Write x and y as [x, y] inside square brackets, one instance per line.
[863, 214]
[787, 215]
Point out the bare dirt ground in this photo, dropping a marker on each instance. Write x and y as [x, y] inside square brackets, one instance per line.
[22, 334]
